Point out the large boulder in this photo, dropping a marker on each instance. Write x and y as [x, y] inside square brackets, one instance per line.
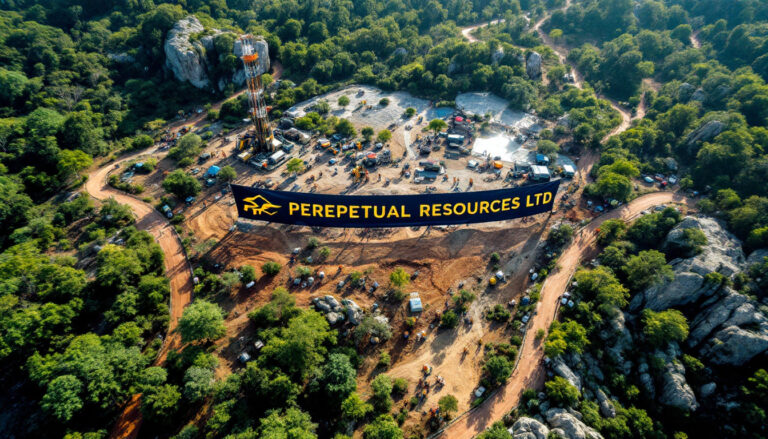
[497, 55]
[674, 390]
[528, 428]
[560, 368]
[185, 58]
[734, 345]
[533, 65]
[722, 254]
[704, 133]
[606, 405]
[730, 309]
[569, 426]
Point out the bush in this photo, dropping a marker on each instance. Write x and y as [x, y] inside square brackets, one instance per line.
[495, 258]
[312, 243]
[499, 313]
[384, 360]
[449, 319]
[561, 392]
[400, 386]
[271, 268]
[324, 253]
[399, 277]
[384, 102]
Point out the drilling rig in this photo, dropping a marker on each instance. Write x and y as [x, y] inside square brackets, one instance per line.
[260, 139]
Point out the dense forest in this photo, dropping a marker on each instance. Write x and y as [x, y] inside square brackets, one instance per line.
[83, 293]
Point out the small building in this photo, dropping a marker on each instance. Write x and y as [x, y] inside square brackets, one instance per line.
[414, 305]
[539, 173]
[213, 171]
[569, 171]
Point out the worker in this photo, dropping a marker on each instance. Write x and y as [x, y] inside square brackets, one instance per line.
[471, 181]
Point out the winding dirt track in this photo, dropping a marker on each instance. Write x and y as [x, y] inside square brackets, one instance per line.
[529, 373]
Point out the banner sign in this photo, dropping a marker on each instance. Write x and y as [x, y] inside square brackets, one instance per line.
[307, 209]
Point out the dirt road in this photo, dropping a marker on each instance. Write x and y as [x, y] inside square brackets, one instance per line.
[529, 373]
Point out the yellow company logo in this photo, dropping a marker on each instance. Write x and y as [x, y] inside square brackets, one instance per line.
[259, 205]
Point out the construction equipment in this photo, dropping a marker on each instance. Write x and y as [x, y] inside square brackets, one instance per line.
[264, 140]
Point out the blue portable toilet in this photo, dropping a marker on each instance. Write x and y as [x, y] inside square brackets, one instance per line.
[415, 305]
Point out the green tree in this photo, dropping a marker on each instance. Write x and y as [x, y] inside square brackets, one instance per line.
[371, 326]
[449, 319]
[198, 383]
[337, 378]
[436, 125]
[561, 392]
[181, 184]
[71, 162]
[409, 112]
[300, 346]
[612, 185]
[187, 147]
[227, 174]
[354, 408]
[62, 398]
[383, 427]
[247, 273]
[201, 321]
[271, 268]
[382, 389]
[661, 328]
[343, 101]
[159, 404]
[367, 132]
[647, 268]
[611, 230]
[384, 136]
[498, 368]
[292, 423]
[497, 431]
[448, 405]
[295, 165]
[399, 277]
[345, 128]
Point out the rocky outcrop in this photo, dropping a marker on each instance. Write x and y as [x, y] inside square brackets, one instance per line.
[606, 405]
[699, 95]
[735, 346]
[533, 65]
[569, 426]
[354, 312]
[704, 133]
[731, 308]
[722, 254]
[528, 428]
[646, 380]
[562, 369]
[685, 91]
[497, 55]
[707, 390]
[675, 391]
[185, 58]
[618, 341]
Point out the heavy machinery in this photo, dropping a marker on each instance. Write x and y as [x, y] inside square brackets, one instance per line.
[261, 138]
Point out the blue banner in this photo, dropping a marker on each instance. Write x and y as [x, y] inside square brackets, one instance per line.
[325, 210]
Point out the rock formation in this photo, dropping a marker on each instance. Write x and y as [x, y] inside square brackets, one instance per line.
[722, 254]
[528, 428]
[533, 65]
[186, 58]
[569, 426]
[188, 61]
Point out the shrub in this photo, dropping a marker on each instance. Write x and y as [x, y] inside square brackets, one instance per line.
[384, 102]
[271, 268]
[312, 243]
[400, 386]
[498, 313]
[384, 360]
[449, 319]
[495, 257]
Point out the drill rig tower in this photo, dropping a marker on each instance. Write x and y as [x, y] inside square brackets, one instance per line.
[264, 140]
